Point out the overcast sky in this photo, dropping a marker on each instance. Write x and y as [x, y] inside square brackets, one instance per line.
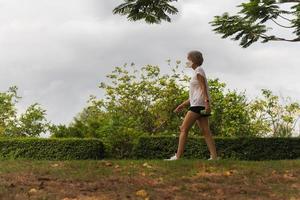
[58, 51]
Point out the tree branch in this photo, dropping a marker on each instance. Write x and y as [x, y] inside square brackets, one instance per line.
[289, 1]
[282, 25]
[285, 18]
[273, 38]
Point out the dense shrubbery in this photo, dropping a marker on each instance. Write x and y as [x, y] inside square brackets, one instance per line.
[51, 149]
[156, 147]
[241, 148]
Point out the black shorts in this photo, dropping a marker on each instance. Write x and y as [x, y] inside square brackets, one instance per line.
[197, 109]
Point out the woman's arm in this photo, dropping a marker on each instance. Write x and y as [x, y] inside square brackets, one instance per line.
[186, 103]
[181, 106]
[203, 86]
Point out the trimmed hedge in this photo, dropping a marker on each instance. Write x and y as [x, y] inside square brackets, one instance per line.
[51, 149]
[241, 148]
[157, 147]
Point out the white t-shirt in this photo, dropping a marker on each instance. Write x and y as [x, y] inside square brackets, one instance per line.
[196, 95]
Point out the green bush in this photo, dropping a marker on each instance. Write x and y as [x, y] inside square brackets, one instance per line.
[146, 147]
[242, 148]
[51, 149]
[119, 145]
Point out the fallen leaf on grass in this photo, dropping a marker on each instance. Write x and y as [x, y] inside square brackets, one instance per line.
[32, 191]
[289, 176]
[143, 174]
[230, 172]
[142, 193]
[147, 165]
[156, 181]
[107, 164]
[55, 165]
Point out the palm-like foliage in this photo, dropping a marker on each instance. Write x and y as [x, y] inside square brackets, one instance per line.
[250, 25]
[252, 22]
[152, 11]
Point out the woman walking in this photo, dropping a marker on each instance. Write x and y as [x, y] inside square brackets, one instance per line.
[199, 107]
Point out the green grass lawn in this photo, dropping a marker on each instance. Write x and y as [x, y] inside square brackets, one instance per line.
[149, 179]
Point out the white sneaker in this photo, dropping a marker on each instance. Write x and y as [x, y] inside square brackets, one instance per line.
[172, 158]
[218, 158]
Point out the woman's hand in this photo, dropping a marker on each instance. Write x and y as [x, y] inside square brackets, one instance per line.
[179, 108]
[207, 107]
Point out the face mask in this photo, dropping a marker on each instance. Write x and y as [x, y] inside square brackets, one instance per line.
[189, 64]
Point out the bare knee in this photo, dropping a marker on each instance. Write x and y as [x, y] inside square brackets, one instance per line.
[183, 129]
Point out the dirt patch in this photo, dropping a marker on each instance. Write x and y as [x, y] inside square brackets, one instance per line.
[202, 186]
[124, 182]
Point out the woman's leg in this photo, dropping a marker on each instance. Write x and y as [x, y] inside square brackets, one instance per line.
[203, 123]
[187, 123]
